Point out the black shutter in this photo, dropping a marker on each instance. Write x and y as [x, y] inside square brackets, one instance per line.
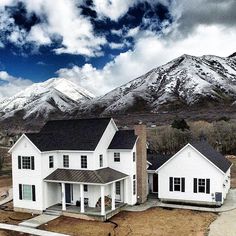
[171, 184]
[182, 184]
[207, 185]
[195, 185]
[19, 162]
[33, 193]
[20, 191]
[32, 163]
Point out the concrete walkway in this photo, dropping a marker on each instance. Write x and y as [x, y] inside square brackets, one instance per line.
[29, 230]
[8, 198]
[38, 220]
[224, 224]
[229, 204]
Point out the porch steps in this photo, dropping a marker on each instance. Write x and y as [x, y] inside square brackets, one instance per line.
[52, 212]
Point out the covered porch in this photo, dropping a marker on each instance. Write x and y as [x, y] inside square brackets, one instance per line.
[101, 192]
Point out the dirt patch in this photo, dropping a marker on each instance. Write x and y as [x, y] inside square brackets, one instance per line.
[233, 172]
[5, 181]
[155, 221]
[9, 216]
[12, 233]
[73, 226]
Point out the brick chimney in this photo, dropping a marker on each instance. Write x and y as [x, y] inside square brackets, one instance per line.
[141, 162]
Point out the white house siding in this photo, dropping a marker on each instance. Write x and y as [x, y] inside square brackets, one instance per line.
[25, 176]
[226, 183]
[103, 145]
[189, 164]
[127, 166]
[52, 194]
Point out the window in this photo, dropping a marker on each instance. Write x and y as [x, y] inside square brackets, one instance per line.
[134, 156]
[27, 192]
[116, 157]
[201, 185]
[117, 188]
[134, 184]
[177, 184]
[85, 188]
[101, 160]
[66, 160]
[50, 161]
[26, 162]
[83, 161]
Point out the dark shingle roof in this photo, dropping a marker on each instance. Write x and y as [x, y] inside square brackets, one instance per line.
[123, 139]
[212, 155]
[101, 176]
[157, 160]
[80, 134]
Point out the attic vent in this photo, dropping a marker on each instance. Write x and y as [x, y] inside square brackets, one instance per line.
[189, 154]
[25, 145]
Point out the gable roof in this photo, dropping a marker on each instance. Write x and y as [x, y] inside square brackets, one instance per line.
[212, 155]
[79, 134]
[208, 152]
[123, 139]
[157, 160]
[101, 176]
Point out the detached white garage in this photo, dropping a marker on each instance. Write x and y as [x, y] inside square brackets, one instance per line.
[197, 174]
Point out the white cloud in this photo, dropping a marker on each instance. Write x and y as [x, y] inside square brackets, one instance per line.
[149, 52]
[62, 20]
[112, 9]
[39, 35]
[11, 85]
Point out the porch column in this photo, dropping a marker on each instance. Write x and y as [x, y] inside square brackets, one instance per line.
[113, 196]
[63, 196]
[126, 190]
[82, 198]
[102, 200]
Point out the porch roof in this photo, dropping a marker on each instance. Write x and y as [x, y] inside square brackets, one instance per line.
[101, 176]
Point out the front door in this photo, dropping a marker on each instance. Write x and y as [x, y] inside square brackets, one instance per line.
[155, 183]
[68, 188]
[118, 194]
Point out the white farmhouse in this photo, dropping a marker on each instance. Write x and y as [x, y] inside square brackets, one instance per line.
[83, 166]
[197, 174]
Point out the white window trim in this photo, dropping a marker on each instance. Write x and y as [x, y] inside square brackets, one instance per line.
[116, 156]
[84, 161]
[22, 166]
[67, 162]
[30, 192]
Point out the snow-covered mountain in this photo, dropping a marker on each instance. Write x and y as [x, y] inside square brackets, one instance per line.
[39, 100]
[186, 81]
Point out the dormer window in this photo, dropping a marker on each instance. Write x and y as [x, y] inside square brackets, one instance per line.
[116, 157]
[66, 161]
[84, 162]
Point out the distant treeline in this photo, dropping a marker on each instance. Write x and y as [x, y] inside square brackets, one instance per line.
[220, 134]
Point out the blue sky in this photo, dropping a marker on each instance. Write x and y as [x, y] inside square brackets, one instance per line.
[105, 43]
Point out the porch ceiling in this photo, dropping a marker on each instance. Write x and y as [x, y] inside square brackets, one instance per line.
[101, 176]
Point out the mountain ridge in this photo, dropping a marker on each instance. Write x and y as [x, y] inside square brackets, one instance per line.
[185, 81]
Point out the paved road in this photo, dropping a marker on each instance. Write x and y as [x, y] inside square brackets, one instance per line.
[29, 230]
[224, 224]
